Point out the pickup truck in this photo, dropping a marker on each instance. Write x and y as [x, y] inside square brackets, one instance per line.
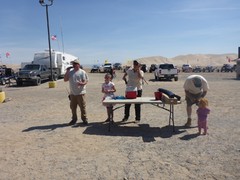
[34, 73]
[107, 67]
[166, 71]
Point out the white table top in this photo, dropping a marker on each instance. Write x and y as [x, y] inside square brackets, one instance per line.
[138, 100]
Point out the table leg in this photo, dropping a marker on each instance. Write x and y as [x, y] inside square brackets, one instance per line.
[171, 116]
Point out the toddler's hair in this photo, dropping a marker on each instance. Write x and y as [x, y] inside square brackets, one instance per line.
[203, 102]
[108, 75]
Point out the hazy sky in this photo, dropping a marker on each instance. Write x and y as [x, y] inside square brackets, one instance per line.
[119, 30]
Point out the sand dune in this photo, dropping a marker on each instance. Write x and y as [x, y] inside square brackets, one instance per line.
[193, 59]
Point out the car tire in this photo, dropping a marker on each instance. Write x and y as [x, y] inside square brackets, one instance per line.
[19, 83]
[2, 82]
[55, 77]
[38, 81]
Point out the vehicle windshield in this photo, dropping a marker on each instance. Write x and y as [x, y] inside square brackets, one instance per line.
[31, 67]
[166, 66]
[107, 64]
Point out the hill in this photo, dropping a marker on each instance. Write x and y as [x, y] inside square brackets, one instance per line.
[193, 59]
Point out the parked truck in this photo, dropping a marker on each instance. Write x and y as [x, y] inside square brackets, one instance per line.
[60, 61]
[34, 73]
[166, 71]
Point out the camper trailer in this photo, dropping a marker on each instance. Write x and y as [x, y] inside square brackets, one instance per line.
[60, 61]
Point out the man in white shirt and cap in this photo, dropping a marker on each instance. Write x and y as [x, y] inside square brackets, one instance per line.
[78, 79]
[196, 87]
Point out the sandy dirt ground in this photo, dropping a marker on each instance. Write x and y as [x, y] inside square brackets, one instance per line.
[36, 142]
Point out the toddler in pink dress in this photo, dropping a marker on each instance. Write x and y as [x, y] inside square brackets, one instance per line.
[202, 113]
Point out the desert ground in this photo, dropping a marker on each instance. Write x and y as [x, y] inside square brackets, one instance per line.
[37, 143]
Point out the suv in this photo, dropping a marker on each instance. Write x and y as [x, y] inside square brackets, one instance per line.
[208, 69]
[152, 68]
[117, 66]
[186, 68]
[144, 67]
[227, 68]
[95, 68]
[197, 69]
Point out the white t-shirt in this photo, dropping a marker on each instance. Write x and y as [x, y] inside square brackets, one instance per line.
[108, 86]
[74, 78]
[189, 85]
[133, 79]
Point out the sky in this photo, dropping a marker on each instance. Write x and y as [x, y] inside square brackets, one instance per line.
[119, 30]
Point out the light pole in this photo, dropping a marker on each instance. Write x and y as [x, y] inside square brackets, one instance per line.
[43, 3]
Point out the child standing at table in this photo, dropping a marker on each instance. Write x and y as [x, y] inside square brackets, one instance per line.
[108, 88]
[202, 113]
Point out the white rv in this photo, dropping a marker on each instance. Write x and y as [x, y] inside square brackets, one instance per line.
[60, 61]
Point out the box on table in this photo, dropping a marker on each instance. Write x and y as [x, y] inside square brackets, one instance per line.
[167, 100]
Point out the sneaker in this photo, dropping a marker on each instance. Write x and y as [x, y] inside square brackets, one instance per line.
[107, 120]
[137, 120]
[72, 122]
[85, 122]
[111, 120]
[124, 119]
[189, 121]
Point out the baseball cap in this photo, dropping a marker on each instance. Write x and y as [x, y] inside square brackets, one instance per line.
[76, 61]
[135, 62]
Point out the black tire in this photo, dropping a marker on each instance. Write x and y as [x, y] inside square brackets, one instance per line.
[2, 82]
[55, 77]
[19, 83]
[38, 81]
[176, 79]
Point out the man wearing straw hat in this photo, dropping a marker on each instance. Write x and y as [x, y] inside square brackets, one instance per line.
[78, 79]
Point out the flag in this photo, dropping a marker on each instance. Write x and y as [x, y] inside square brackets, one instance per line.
[7, 54]
[54, 37]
